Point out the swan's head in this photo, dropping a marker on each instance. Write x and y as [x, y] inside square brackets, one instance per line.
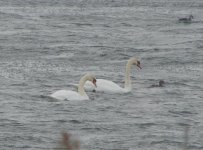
[136, 62]
[92, 79]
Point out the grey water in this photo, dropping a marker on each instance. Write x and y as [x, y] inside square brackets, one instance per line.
[47, 45]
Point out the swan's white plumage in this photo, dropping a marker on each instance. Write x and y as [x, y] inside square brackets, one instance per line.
[105, 86]
[68, 95]
[73, 95]
[108, 86]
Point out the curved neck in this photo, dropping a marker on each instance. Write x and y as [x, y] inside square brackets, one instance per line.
[127, 84]
[81, 90]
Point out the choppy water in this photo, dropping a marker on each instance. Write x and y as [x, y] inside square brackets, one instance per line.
[47, 45]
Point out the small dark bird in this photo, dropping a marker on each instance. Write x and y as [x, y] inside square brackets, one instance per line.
[186, 20]
[161, 84]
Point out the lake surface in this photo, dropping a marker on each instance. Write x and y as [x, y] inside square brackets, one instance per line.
[49, 45]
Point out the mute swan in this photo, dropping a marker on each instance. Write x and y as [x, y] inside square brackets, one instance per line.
[107, 86]
[72, 95]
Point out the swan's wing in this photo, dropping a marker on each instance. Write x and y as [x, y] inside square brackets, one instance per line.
[67, 95]
[63, 94]
[102, 86]
[108, 86]
[75, 86]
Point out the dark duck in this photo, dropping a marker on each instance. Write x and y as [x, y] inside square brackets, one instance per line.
[161, 84]
[186, 19]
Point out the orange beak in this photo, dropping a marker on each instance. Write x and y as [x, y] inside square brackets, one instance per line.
[138, 65]
[94, 82]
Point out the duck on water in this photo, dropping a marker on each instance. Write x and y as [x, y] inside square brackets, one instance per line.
[161, 84]
[186, 19]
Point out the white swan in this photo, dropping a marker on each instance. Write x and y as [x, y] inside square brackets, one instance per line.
[72, 95]
[107, 86]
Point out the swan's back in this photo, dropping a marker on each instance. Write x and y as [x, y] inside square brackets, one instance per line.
[68, 95]
[105, 86]
[110, 86]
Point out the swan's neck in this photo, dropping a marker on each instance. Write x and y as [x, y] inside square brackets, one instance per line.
[81, 90]
[128, 85]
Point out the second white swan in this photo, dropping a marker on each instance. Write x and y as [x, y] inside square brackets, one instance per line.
[107, 86]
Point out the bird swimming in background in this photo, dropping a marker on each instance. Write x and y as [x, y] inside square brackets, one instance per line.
[161, 84]
[186, 19]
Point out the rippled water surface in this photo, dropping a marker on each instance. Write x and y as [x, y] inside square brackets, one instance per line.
[48, 45]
